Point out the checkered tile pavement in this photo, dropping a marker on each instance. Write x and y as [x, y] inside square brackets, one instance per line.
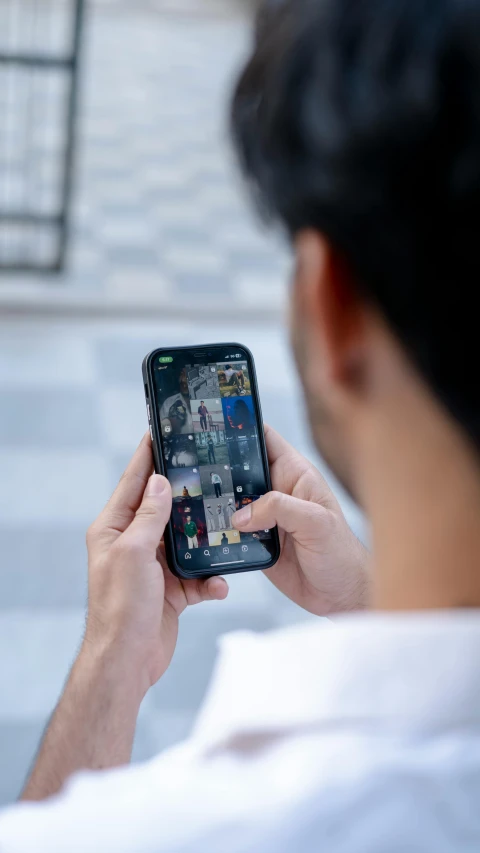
[160, 217]
[71, 413]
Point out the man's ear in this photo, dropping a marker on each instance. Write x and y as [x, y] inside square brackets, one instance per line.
[327, 307]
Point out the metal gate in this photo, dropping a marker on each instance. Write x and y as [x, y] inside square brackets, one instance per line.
[39, 59]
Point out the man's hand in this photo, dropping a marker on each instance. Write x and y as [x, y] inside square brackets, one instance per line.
[323, 566]
[134, 600]
[133, 607]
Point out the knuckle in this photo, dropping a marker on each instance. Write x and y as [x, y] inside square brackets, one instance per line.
[273, 500]
[147, 510]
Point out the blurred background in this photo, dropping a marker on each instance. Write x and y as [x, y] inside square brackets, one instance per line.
[123, 226]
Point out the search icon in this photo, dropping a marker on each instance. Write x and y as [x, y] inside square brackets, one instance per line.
[206, 553]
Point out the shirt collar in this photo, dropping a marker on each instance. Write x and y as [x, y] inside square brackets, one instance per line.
[406, 672]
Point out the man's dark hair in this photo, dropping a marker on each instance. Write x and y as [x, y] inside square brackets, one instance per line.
[362, 120]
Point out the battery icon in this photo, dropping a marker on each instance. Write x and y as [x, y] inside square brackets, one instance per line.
[165, 359]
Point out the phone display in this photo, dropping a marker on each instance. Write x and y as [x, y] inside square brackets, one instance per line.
[207, 429]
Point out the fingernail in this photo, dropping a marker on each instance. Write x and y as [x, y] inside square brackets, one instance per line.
[243, 516]
[155, 485]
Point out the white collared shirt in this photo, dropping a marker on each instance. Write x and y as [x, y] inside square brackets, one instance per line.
[360, 736]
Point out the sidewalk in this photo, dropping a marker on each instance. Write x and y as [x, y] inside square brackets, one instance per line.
[160, 220]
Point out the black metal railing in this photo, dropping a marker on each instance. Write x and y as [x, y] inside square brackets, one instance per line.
[39, 65]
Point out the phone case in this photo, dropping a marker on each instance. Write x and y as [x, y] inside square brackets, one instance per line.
[156, 437]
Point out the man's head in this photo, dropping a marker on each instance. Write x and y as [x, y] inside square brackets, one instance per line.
[358, 125]
[202, 402]
[189, 518]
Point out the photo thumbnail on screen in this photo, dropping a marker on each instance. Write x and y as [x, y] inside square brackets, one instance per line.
[226, 537]
[239, 415]
[180, 451]
[219, 512]
[207, 415]
[189, 524]
[202, 380]
[185, 483]
[234, 379]
[173, 400]
[211, 448]
[216, 481]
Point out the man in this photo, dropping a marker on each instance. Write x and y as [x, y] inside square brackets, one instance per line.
[220, 517]
[217, 483]
[229, 374]
[210, 519]
[230, 510]
[203, 412]
[359, 127]
[191, 532]
[211, 451]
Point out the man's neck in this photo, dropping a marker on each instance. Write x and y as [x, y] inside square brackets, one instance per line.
[424, 504]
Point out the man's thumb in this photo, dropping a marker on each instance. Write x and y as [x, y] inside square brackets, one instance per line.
[153, 513]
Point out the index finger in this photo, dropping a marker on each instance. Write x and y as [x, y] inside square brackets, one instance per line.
[277, 446]
[120, 510]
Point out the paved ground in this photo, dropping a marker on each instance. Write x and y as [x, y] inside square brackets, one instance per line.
[160, 220]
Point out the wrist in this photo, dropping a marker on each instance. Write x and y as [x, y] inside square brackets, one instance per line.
[112, 662]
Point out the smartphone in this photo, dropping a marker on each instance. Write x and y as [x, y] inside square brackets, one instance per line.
[207, 433]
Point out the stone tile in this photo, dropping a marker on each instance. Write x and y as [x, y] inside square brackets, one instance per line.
[19, 743]
[134, 255]
[38, 649]
[30, 354]
[127, 232]
[181, 236]
[194, 261]
[43, 566]
[257, 289]
[67, 486]
[142, 285]
[49, 418]
[200, 284]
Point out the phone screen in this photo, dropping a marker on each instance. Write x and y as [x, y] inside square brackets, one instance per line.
[208, 422]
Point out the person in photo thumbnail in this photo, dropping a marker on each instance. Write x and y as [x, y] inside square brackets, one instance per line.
[220, 517]
[191, 532]
[217, 484]
[241, 380]
[186, 493]
[211, 450]
[229, 510]
[210, 518]
[224, 539]
[203, 412]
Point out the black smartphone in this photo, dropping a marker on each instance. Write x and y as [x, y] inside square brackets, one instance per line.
[207, 431]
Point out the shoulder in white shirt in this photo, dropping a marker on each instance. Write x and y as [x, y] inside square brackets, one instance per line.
[363, 735]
